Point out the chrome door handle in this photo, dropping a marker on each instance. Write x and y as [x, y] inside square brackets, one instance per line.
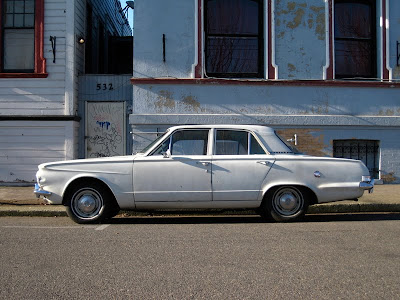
[204, 163]
[263, 162]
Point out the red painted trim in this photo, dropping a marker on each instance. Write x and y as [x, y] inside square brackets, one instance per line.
[1, 35]
[40, 61]
[24, 75]
[329, 70]
[271, 68]
[249, 82]
[198, 71]
[385, 71]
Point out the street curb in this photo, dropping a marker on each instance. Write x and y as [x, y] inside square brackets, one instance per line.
[353, 208]
[59, 211]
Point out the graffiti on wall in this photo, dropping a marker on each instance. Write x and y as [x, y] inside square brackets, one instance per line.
[105, 129]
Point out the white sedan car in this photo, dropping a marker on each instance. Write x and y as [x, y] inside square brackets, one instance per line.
[203, 167]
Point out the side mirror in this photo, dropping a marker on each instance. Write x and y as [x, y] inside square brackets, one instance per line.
[167, 154]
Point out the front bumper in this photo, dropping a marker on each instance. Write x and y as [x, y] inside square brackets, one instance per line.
[367, 185]
[38, 191]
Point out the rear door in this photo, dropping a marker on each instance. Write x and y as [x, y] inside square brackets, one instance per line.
[239, 166]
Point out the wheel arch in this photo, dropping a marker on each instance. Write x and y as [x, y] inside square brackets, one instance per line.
[87, 179]
[307, 192]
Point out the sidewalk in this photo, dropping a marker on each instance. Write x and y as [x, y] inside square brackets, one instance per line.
[20, 201]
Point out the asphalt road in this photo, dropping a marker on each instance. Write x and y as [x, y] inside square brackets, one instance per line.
[238, 257]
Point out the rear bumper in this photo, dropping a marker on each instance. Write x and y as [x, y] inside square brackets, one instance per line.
[367, 186]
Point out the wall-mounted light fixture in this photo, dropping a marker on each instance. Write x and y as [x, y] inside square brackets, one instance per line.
[131, 4]
[125, 10]
[81, 40]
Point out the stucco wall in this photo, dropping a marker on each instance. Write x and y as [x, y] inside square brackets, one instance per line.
[300, 39]
[265, 99]
[175, 19]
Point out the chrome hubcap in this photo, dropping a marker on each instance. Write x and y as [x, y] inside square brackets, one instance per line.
[287, 201]
[87, 203]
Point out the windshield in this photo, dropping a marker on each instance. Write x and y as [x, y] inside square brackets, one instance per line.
[154, 142]
[292, 148]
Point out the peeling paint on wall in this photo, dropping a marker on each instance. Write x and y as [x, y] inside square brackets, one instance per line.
[388, 177]
[310, 141]
[191, 103]
[165, 100]
[300, 24]
[297, 19]
[320, 107]
[291, 67]
[387, 113]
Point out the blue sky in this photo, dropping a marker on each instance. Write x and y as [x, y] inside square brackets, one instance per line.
[130, 19]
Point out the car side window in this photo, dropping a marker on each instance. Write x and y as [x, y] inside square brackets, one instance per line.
[185, 142]
[255, 147]
[231, 142]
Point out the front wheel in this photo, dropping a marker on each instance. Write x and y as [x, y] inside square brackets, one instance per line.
[286, 203]
[88, 203]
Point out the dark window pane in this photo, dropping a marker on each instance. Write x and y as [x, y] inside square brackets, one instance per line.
[232, 16]
[19, 49]
[9, 20]
[9, 6]
[255, 147]
[29, 20]
[19, 20]
[353, 20]
[234, 41]
[353, 58]
[232, 55]
[229, 142]
[19, 6]
[29, 6]
[355, 39]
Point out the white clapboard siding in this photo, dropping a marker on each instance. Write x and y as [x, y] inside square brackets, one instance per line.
[25, 144]
[41, 96]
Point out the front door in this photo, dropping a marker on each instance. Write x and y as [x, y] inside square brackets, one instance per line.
[105, 129]
[178, 171]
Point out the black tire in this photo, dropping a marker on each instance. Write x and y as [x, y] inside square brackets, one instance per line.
[89, 203]
[284, 204]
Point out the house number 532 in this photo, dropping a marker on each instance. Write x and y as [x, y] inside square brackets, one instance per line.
[104, 87]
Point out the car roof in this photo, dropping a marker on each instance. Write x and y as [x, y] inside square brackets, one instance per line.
[255, 128]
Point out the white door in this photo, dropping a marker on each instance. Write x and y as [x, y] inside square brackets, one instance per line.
[184, 175]
[239, 166]
[105, 129]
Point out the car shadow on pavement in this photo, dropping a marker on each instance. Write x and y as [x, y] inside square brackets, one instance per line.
[248, 219]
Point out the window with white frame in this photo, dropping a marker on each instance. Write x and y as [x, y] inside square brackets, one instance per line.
[355, 39]
[234, 38]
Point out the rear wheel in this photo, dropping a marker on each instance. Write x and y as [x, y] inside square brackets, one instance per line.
[89, 203]
[286, 203]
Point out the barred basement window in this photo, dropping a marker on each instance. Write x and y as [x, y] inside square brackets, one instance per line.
[365, 150]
